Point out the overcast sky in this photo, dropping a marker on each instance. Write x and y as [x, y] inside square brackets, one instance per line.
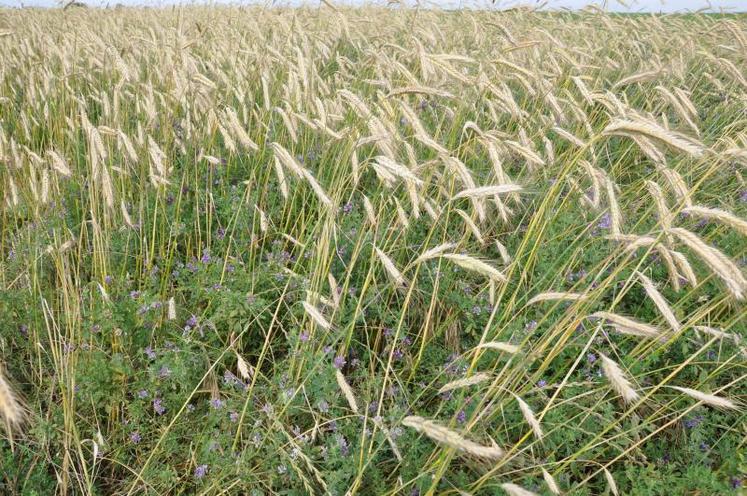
[615, 5]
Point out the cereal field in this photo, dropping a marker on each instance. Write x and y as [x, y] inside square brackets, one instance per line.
[369, 251]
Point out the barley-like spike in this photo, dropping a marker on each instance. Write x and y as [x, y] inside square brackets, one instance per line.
[514, 490]
[723, 216]
[529, 417]
[651, 130]
[476, 265]
[618, 379]
[245, 370]
[708, 399]
[316, 316]
[485, 191]
[390, 268]
[610, 481]
[552, 485]
[11, 407]
[497, 345]
[560, 296]
[434, 252]
[467, 381]
[717, 261]
[346, 390]
[660, 302]
[626, 325]
[450, 438]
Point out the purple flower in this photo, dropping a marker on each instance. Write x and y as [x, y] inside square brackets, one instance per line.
[693, 422]
[304, 336]
[200, 471]
[476, 310]
[191, 322]
[108, 279]
[343, 445]
[164, 372]
[135, 437]
[577, 275]
[541, 383]
[339, 362]
[461, 416]
[397, 354]
[605, 222]
[24, 329]
[531, 325]
[452, 367]
[323, 406]
[736, 482]
[205, 258]
[234, 417]
[229, 378]
[216, 403]
[158, 406]
[142, 394]
[150, 353]
[135, 294]
[591, 358]
[347, 208]
[221, 233]
[743, 196]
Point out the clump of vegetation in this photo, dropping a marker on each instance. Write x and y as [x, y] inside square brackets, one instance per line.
[364, 251]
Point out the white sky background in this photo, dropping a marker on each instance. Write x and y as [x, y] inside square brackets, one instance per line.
[612, 5]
